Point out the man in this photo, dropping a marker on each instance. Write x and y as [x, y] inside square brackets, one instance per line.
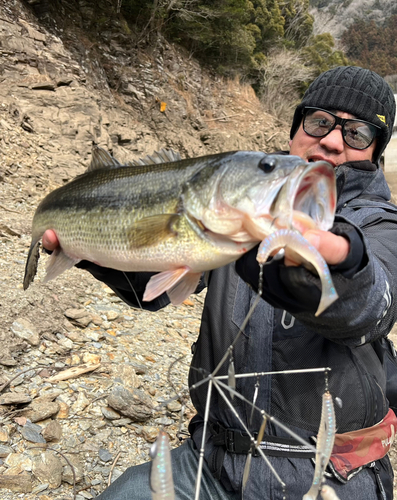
[346, 118]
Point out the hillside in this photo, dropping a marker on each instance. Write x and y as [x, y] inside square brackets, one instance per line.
[334, 16]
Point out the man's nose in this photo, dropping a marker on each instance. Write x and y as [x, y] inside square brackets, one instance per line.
[334, 140]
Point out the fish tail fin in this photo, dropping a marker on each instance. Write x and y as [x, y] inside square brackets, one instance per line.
[58, 263]
[31, 263]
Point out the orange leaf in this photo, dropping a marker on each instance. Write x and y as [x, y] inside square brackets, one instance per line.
[163, 105]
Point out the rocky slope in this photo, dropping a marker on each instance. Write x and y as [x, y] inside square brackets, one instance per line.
[62, 89]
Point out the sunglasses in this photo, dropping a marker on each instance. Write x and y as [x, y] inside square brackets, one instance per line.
[357, 134]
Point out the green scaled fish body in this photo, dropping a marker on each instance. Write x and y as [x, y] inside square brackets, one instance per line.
[179, 217]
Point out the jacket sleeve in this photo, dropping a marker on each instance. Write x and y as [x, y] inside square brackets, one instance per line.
[366, 283]
[128, 286]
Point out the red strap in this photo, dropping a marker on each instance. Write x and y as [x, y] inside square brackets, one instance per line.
[355, 449]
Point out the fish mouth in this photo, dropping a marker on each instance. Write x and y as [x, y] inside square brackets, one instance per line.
[307, 200]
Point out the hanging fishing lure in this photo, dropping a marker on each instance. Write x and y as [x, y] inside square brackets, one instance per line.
[325, 443]
[161, 481]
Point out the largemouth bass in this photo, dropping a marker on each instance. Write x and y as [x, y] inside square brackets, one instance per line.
[179, 217]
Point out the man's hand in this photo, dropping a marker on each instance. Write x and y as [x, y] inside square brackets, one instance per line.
[50, 240]
[333, 248]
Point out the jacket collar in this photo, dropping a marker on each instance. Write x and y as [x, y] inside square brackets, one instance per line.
[354, 179]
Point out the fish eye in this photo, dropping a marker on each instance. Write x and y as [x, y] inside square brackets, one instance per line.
[267, 165]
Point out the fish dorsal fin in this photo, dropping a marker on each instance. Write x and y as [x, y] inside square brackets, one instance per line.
[102, 159]
[162, 156]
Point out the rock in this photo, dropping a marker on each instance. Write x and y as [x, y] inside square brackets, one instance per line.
[105, 455]
[40, 409]
[81, 403]
[63, 410]
[75, 313]
[121, 422]
[7, 361]
[174, 406]
[39, 488]
[5, 450]
[31, 432]
[150, 433]
[4, 435]
[47, 467]
[109, 413]
[134, 404]
[21, 483]
[24, 329]
[164, 421]
[20, 461]
[14, 398]
[78, 467]
[112, 315]
[139, 368]
[52, 431]
[125, 374]
[91, 359]
[80, 317]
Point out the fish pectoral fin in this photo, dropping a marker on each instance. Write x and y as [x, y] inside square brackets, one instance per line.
[151, 230]
[58, 263]
[178, 283]
[185, 287]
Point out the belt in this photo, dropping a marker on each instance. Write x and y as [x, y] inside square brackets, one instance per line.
[239, 442]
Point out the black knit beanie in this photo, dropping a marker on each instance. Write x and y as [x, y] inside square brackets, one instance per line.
[358, 91]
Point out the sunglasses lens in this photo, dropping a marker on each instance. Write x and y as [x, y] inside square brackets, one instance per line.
[358, 135]
[317, 123]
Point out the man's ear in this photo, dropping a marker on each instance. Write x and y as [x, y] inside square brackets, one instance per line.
[289, 143]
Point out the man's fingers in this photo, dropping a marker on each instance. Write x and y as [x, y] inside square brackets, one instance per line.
[50, 240]
[333, 248]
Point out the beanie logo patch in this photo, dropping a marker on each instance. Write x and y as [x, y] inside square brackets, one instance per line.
[382, 118]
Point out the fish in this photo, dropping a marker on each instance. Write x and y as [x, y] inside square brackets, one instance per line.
[161, 480]
[325, 443]
[179, 217]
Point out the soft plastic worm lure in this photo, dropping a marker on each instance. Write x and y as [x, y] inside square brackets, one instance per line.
[325, 443]
[161, 481]
[328, 493]
[294, 240]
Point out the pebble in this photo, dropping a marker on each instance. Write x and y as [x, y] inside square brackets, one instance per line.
[52, 431]
[40, 487]
[164, 421]
[109, 413]
[105, 455]
[32, 433]
[14, 398]
[5, 450]
[47, 467]
[134, 404]
[25, 330]
[150, 433]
